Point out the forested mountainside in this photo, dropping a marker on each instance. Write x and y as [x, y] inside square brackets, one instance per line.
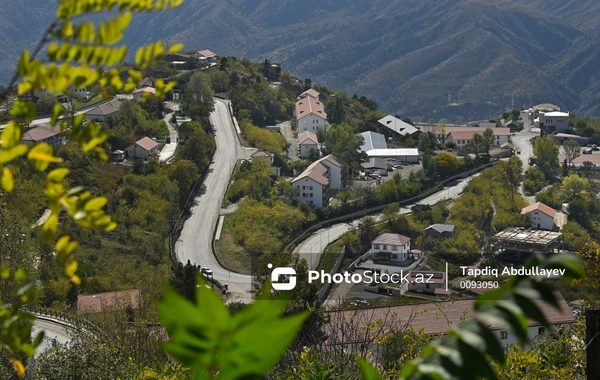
[428, 58]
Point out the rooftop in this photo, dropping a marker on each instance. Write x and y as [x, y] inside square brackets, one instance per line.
[310, 92]
[206, 53]
[393, 152]
[316, 171]
[308, 105]
[389, 238]
[539, 206]
[556, 114]
[467, 133]
[96, 303]
[106, 109]
[528, 237]
[151, 90]
[307, 137]
[261, 153]
[40, 133]
[432, 318]
[397, 125]
[147, 143]
[373, 140]
[439, 227]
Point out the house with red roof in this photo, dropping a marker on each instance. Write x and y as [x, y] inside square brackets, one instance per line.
[541, 216]
[310, 92]
[462, 136]
[311, 115]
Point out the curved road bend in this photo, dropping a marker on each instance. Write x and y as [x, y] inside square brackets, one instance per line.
[194, 244]
[312, 247]
[52, 330]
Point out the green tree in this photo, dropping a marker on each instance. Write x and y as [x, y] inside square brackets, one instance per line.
[479, 146]
[343, 142]
[572, 150]
[546, 150]
[197, 97]
[184, 173]
[446, 164]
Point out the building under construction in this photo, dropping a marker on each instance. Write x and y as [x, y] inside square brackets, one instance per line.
[517, 243]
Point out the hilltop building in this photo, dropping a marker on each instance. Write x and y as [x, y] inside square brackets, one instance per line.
[314, 184]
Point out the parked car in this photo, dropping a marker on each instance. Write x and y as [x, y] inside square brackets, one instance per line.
[375, 176]
[206, 271]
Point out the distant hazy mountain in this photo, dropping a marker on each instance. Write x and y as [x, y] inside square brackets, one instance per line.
[429, 58]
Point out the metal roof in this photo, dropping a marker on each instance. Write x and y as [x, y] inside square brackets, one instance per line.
[393, 152]
[373, 140]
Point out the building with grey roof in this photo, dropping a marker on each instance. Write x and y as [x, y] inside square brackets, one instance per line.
[440, 231]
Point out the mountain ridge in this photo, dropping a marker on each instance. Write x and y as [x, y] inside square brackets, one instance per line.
[442, 58]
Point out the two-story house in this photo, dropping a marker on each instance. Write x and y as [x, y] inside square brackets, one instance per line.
[307, 141]
[555, 121]
[390, 248]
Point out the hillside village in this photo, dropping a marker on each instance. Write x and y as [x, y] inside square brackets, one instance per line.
[425, 200]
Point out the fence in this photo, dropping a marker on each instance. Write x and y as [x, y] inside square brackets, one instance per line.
[376, 209]
[323, 293]
[65, 318]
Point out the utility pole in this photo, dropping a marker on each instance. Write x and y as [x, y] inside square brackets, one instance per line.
[592, 330]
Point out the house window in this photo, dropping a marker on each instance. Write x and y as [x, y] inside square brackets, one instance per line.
[384, 247]
[303, 187]
[503, 334]
[394, 247]
[310, 188]
[376, 246]
[541, 330]
[311, 194]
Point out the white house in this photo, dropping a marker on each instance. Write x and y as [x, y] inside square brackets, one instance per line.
[390, 248]
[309, 93]
[307, 141]
[205, 55]
[145, 149]
[311, 115]
[139, 93]
[541, 216]
[397, 126]
[315, 182]
[554, 121]
[462, 136]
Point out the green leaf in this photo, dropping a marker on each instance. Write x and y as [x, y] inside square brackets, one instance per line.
[367, 371]
[12, 153]
[7, 180]
[95, 204]
[57, 175]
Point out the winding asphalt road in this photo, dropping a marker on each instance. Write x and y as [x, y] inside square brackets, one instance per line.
[195, 242]
[312, 247]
